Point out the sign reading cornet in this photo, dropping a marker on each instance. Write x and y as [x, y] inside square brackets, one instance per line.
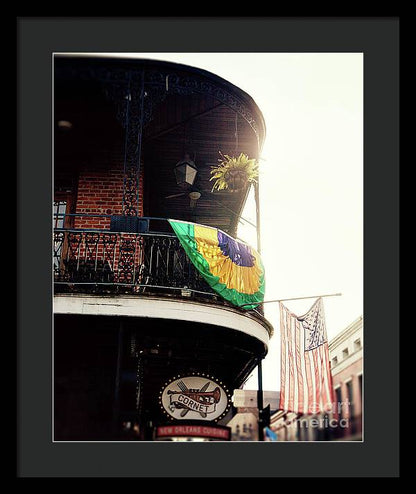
[196, 397]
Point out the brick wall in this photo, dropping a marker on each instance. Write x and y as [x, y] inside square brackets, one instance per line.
[100, 191]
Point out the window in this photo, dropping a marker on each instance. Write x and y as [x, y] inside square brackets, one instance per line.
[350, 398]
[334, 361]
[302, 432]
[63, 207]
[351, 406]
[357, 344]
[59, 210]
[345, 353]
[285, 433]
[338, 400]
[62, 219]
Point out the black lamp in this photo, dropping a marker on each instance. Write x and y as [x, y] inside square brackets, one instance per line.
[185, 172]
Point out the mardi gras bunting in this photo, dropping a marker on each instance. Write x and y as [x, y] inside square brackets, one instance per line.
[232, 268]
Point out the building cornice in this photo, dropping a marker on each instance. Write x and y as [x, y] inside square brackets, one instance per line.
[346, 333]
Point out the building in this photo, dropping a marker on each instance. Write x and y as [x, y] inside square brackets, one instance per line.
[344, 422]
[346, 353]
[144, 347]
[286, 426]
[245, 423]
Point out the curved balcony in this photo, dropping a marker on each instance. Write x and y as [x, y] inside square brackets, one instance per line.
[147, 264]
[130, 307]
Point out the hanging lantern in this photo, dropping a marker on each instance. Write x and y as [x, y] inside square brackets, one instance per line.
[185, 172]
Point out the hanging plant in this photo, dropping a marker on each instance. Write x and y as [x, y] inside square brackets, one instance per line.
[234, 173]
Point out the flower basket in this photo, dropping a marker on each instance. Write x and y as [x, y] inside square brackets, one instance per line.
[234, 173]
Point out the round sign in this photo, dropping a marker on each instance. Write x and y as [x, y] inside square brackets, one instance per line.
[196, 397]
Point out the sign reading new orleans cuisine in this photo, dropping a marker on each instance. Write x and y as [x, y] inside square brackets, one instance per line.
[196, 397]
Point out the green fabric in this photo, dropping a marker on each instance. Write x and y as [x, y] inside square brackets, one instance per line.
[185, 234]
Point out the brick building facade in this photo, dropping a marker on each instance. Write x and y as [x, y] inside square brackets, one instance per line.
[131, 311]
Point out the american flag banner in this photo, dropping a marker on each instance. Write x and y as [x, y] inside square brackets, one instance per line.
[305, 373]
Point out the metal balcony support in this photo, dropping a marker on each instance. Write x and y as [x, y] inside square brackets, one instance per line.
[260, 399]
[257, 200]
[133, 146]
[135, 105]
[116, 405]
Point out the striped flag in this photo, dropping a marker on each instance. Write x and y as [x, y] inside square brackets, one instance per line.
[305, 377]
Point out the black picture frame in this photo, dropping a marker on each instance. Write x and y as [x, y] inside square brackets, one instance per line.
[378, 39]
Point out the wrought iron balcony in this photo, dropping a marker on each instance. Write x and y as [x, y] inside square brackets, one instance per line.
[129, 260]
[102, 261]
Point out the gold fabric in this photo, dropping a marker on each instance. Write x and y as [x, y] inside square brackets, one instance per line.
[244, 279]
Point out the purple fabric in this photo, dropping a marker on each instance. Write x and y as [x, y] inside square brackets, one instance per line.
[239, 253]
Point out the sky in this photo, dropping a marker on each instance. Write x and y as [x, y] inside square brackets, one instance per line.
[311, 180]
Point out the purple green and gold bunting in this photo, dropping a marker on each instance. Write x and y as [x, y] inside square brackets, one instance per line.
[232, 268]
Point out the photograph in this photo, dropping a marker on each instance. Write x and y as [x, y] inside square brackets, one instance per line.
[207, 251]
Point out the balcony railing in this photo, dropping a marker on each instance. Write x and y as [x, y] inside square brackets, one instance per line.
[88, 260]
[145, 260]
[100, 260]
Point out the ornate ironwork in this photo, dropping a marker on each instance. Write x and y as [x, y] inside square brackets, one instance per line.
[186, 85]
[130, 262]
[73, 256]
[153, 96]
[157, 84]
[139, 261]
[128, 94]
[135, 108]
[91, 247]
[109, 242]
[126, 264]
